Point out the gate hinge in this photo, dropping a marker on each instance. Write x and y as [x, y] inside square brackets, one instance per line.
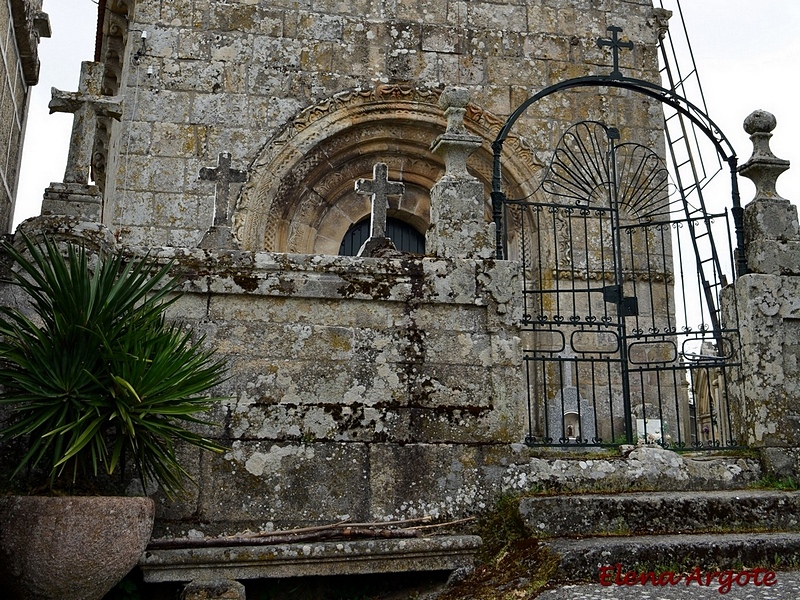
[628, 306]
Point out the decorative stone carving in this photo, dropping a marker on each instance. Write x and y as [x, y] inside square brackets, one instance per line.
[349, 128]
[772, 231]
[763, 168]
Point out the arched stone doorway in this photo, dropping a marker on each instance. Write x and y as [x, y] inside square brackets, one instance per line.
[300, 198]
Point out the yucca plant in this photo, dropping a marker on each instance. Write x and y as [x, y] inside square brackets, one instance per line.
[98, 376]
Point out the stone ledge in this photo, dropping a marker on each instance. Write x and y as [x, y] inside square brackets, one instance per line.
[445, 553]
[661, 512]
[582, 559]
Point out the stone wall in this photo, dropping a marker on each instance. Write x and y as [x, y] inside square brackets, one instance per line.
[298, 92]
[359, 388]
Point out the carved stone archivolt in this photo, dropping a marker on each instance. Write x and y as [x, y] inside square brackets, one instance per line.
[300, 196]
[111, 52]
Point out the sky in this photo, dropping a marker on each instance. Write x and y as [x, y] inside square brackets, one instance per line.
[747, 54]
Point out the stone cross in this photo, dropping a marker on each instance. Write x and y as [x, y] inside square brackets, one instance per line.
[87, 105]
[615, 45]
[380, 188]
[223, 176]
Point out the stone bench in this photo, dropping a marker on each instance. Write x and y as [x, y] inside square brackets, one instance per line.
[210, 568]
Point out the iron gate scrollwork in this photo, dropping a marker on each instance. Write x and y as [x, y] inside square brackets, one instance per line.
[622, 330]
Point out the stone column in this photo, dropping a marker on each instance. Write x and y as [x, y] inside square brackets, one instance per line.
[767, 304]
[458, 227]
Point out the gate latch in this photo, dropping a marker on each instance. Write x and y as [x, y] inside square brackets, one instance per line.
[628, 306]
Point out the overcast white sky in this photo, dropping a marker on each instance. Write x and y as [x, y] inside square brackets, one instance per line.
[747, 53]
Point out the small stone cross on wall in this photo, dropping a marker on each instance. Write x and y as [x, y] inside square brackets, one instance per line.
[87, 104]
[379, 188]
[223, 176]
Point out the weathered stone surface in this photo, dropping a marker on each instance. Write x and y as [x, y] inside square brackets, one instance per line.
[781, 463]
[644, 467]
[70, 548]
[78, 200]
[24, 23]
[661, 512]
[246, 76]
[582, 559]
[768, 311]
[444, 553]
[30, 24]
[87, 105]
[217, 589]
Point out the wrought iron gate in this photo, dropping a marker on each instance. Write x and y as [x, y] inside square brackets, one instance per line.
[623, 335]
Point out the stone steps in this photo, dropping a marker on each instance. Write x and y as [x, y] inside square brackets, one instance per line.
[583, 559]
[666, 531]
[661, 512]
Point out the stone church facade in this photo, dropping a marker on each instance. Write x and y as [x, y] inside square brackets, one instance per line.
[308, 96]
[228, 136]
[245, 140]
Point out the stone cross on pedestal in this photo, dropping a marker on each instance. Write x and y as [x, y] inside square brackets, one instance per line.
[87, 104]
[616, 45]
[379, 188]
[220, 234]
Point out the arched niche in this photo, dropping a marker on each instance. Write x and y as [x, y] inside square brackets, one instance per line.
[300, 196]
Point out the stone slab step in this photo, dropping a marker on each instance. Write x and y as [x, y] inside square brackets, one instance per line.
[583, 559]
[355, 557]
[661, 513]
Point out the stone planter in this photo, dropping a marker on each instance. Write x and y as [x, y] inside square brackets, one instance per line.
[70, 548]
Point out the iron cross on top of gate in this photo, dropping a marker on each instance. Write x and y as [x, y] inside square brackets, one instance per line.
[616, 44]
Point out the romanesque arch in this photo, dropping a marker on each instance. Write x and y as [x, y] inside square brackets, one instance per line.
[299, 196]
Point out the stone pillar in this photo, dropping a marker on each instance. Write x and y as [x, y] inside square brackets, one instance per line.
[458, 227]
[221, 589]
[767, 304]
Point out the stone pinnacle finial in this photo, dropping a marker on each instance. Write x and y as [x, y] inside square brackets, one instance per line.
[453, 101]
[763, 168]
[456, 143]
